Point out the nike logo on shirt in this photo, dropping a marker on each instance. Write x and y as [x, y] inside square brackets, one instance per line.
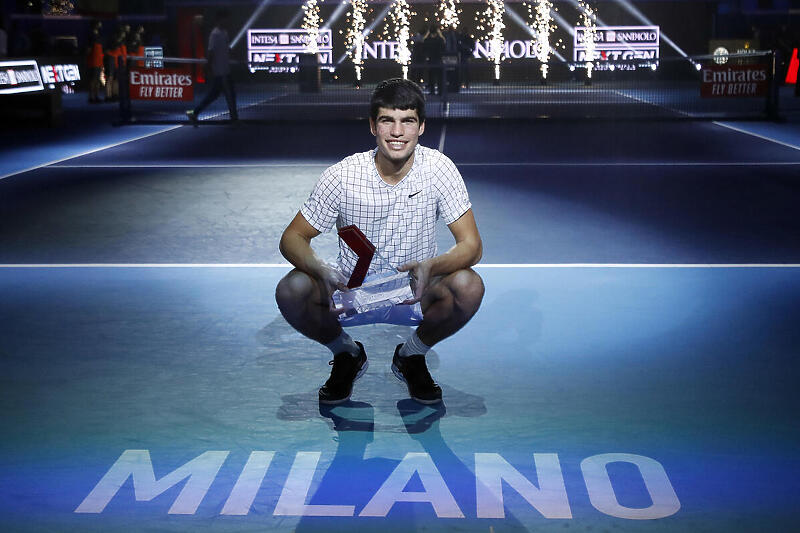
[413, 195]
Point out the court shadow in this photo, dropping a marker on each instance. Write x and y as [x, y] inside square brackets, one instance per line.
[353, 478]
[350, 478]
[305, 405]
[284, 342]
[287, 354]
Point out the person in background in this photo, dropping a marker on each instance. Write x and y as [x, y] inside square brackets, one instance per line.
[123, 46]
[112, 53]
[219, 62]
[466, 48]
[452, 72]
[434, 48]
[136, 45]
[94, 62]
[418, 54]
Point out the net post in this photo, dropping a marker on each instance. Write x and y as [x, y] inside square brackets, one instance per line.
[773, 92]
[124, 93]
[444, 81]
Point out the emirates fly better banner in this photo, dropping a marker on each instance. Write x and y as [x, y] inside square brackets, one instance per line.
[160, 84]
[734, 81]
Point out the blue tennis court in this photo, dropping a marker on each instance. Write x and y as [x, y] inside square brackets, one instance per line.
[633, 366]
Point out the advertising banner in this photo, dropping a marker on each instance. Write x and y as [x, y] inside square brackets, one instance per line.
[734, 81]
[20, 76]
[279, 50]
[160, 84]
[60, 73]
[619, 43]
[722, 48]
[154, 55]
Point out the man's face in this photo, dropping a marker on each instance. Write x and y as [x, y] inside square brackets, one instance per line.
[397, 132]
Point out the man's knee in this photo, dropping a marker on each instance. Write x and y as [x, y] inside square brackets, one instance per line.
[295, 287]
[467, 289]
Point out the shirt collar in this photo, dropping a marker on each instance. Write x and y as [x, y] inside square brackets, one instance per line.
[414, 166]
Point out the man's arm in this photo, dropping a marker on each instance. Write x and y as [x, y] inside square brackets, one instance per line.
[466, 253]
[467, 250]
[295, 246]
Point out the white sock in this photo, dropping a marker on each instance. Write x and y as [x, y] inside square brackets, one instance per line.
[344, 343]
[413, 346]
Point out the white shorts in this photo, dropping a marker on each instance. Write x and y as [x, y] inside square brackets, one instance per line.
[400, 315]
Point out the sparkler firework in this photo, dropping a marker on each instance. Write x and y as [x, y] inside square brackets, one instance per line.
[543, 26]
[400, 18]
[589, 21]
[355, 35]
[311, 22]
[491, 21]
[448, 14]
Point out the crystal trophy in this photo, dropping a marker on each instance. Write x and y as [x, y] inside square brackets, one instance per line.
[381, 291]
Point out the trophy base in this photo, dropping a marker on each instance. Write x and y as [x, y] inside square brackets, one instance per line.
[380, 291]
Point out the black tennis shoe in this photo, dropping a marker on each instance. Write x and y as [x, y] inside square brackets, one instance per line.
[413, 371]
[346, 370]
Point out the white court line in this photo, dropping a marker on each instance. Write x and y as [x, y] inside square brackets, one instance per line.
[480, 265]
[639, 265]
[223, 112]
[199, 165]
[636, 164]
[643, 101]
[488, 164]
[763, 137]
[444, 127]
[88, 152]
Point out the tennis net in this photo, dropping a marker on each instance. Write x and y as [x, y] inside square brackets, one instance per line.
[699, 87]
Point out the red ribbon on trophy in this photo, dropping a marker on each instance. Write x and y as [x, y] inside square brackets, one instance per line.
[365, 250]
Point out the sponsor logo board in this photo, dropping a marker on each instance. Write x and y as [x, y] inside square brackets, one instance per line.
[153, 55]
[618, 43]
[160, 84]
[734, 81]
[279, 50]
[20, 76]
[60, 73]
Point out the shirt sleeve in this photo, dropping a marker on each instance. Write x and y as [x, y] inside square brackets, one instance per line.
[321, 209]
[453, 196]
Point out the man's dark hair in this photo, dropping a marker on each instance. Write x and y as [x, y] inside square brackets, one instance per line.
[397, 93]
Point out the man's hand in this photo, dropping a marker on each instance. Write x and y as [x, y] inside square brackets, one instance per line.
[332, 278]
[420, 278]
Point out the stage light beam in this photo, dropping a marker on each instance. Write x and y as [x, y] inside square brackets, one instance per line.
[642, 18]
[261, 7]
[337, 14]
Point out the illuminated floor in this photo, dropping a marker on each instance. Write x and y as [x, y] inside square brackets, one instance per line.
[669, 364]
[591, 398]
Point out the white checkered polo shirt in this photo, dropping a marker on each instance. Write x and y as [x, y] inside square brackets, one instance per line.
[400, 220]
